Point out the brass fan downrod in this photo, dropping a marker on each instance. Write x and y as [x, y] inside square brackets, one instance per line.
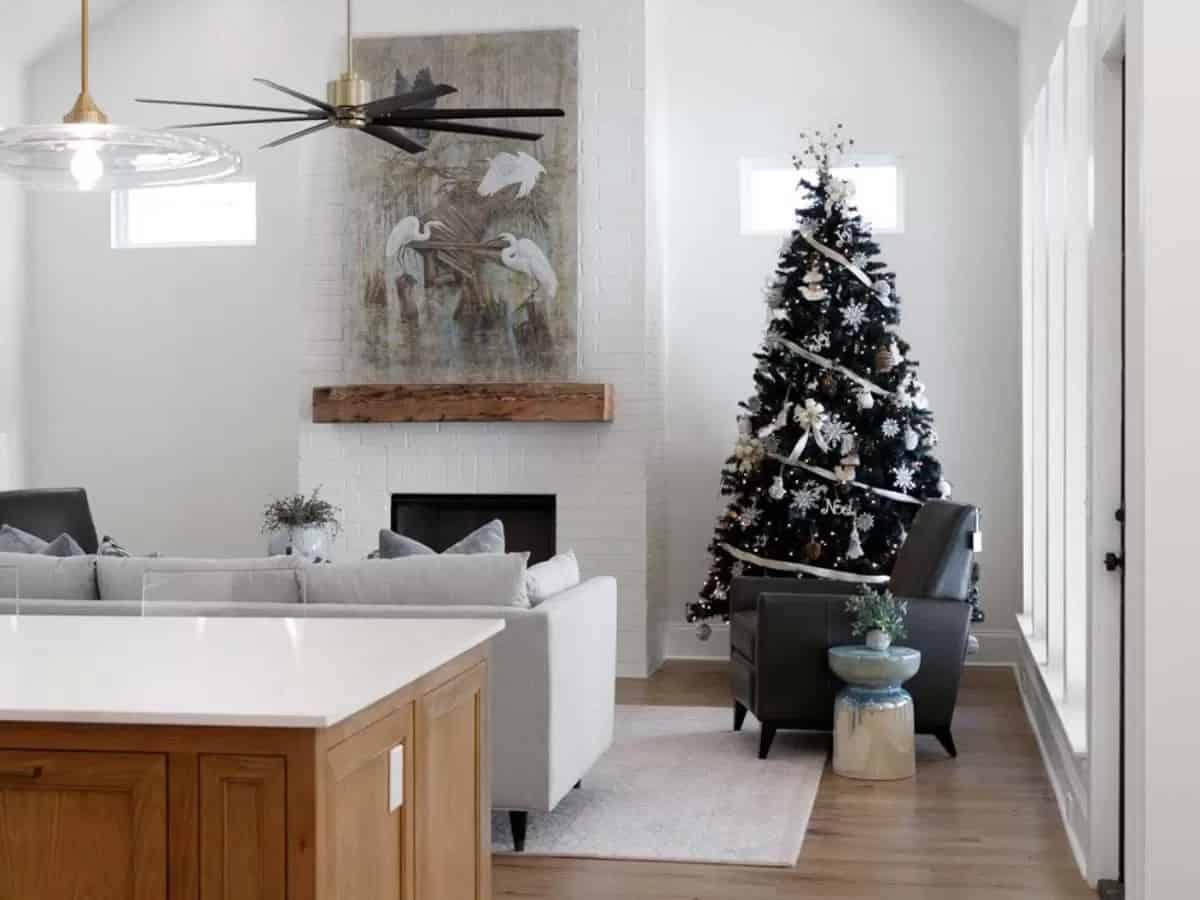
[348, 91]
[85, 109]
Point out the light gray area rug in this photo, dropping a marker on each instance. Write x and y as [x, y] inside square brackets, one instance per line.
[679, 785]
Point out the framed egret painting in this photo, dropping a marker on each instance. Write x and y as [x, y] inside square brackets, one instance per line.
[464, 258]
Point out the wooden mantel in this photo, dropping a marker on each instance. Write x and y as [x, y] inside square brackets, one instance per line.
[527, 402]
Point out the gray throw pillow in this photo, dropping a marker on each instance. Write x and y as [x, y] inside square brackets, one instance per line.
[487, 538]
[14, 540]
[64, 545]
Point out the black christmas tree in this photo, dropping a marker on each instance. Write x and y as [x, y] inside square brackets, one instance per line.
[833, 457]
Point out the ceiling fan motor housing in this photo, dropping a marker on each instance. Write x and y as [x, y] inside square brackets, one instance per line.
[346, 94]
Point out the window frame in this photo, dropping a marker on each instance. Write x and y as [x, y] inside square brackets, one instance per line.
[119, 231]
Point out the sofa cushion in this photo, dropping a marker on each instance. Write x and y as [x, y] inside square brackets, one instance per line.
[743, 629]
[32, 575]
[64, 545]
[488, 538]
[14, 540]
[555, 575]
[481, 579]
[274, 579]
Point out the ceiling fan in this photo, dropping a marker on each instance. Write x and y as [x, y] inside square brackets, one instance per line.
[349, 105]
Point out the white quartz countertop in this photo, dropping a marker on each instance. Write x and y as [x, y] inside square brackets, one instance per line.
[288, 673]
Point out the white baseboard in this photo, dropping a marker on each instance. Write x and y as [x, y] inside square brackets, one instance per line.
[682, 642]
[633, 670]
[1064, 768]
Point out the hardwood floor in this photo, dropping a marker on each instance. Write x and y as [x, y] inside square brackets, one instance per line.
[982, 826]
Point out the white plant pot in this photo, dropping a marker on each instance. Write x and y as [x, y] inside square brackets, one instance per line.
[878, 640]
[309, 543]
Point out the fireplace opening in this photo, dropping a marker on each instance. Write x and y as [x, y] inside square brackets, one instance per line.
[440, 520]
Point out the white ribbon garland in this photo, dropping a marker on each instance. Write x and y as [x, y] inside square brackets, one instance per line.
[831, 476]
[818, 360]
[803, 568]
[840, 259]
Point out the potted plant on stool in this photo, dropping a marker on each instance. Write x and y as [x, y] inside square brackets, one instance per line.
[878, 615]
[301, 526]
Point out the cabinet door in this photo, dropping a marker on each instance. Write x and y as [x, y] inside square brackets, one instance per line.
[453, 851]
[370, 835]
[76, 825]
[243, 828]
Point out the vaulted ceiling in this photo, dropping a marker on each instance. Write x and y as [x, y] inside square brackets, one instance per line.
[1008, 11]
[31, 27]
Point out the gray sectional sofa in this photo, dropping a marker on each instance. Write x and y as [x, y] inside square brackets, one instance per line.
[553, 666]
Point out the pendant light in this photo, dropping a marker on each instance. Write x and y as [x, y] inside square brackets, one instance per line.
[86, 153]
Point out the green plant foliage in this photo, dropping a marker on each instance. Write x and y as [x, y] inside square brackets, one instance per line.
[299, 511]
[877, 611]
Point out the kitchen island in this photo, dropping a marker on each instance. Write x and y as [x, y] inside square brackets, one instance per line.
[258, 759]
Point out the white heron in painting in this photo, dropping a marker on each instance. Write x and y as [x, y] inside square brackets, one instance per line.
[406, 266]
[523, 255]
[507, 169]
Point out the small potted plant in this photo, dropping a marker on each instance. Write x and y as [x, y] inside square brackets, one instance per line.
[300, 525]
[878, 615]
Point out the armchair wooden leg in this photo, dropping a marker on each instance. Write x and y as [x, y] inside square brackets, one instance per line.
[739, 715]
[765, 739]
[947, 740]
[519, 820]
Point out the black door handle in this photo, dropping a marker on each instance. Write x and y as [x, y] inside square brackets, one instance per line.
[1112, 562]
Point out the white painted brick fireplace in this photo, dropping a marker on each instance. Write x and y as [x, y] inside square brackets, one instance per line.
[599, 473]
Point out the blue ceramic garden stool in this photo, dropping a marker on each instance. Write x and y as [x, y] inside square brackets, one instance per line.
[873, 714]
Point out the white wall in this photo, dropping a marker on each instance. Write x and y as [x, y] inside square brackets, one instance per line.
[1162, 738]
[175, 384]
[12, 300]
[932, 81]
[164, 381]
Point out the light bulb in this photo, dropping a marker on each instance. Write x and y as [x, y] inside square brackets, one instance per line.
[86, 166]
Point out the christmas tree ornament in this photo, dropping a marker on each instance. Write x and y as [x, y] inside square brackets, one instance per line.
[885, 358]
[813, 288]
[829, 385]
[811, 419]
[749, 453]
[866, 400]
[945, 489]
[777, 491]
[813, 550]
[911, 439]
[854, 550]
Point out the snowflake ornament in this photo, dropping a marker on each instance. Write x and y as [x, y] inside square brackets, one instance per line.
[836, 431]
[865, 522]
[749, 517]
[738, 569]
[808, 497]
[904, 477]
[854, 315]
[890, 428]
[817, 342]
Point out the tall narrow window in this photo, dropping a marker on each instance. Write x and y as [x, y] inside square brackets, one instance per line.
[202, 215]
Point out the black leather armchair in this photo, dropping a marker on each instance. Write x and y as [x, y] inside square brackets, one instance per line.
[781, 628]
[49, 513]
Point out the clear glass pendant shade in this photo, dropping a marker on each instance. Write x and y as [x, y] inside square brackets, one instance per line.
[102, 157]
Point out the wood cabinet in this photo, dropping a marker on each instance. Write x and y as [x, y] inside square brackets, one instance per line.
[389, 804]
[76, 825]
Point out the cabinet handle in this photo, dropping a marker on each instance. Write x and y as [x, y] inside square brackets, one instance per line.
[31, 774]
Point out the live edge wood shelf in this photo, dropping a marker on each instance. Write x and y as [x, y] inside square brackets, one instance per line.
[529, 402]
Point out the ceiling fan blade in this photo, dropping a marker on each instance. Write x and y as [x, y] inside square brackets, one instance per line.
[415, 115]
[312, 101]
[276, 109]
[297, 134]
[385, 105]
[437, 125]
[244, 122]
[395, 138]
